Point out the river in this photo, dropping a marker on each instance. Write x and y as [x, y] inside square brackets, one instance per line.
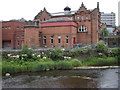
[95, 78]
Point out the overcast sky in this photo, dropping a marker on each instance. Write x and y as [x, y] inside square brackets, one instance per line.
[16, 9]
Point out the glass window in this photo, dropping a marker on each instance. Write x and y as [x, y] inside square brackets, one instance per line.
[82, 17]
[51, 39]
[86, 17]
[59, 39]
[66, 39]
[82, 28]
[44, 40]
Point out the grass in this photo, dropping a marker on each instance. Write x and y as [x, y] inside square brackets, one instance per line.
[15, 66]
[106, 61]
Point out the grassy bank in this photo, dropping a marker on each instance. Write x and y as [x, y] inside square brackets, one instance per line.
[15, 66]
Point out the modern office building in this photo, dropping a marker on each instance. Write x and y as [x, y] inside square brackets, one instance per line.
[108, 19]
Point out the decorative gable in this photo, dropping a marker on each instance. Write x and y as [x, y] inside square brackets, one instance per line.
[82, 8]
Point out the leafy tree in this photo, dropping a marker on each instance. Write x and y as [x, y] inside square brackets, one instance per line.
[104, 32]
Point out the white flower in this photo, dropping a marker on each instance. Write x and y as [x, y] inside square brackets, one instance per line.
[63, 49]
[33, 54]
[17, 56]
[100, 54]
[13, 56]
[38, 55]
[42, 52]
[44, 57]
[24, 54]
[69, 57]
[65, 57]
[9, 55]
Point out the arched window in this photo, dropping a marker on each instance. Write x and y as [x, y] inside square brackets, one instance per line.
[82, 28]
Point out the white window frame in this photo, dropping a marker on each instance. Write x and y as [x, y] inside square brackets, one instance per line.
[82, 28]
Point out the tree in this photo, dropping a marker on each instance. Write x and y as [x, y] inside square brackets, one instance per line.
[104, 32]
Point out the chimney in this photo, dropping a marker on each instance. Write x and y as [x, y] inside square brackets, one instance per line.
[97, 5]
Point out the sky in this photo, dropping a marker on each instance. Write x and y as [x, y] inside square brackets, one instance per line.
[28, 9]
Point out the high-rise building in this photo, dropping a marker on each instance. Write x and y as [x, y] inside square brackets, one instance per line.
[119, 13]
[108, 18]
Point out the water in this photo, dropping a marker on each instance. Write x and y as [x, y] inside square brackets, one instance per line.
[99, 78]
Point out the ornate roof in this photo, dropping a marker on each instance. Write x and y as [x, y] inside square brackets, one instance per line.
[67, 8]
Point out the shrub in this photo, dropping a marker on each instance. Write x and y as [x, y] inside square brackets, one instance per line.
[42, 66]
[115, 52]
[75, 53]
[101, 47]
[56, 54]
[27, 52]
[63, 65]
[75, 62]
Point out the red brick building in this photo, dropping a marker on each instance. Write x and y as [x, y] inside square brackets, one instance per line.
[62, 29]
[12, 34]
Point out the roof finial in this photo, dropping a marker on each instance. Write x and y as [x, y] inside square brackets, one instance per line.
[82, 5]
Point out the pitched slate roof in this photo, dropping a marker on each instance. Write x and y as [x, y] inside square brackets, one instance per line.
[59, 19]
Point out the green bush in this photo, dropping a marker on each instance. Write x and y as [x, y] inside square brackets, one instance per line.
[75, 62]
[75, 53]
[115, 52]
[42, 66]
[63, 65]
[101, 47]
[56, 54]
[27, 51]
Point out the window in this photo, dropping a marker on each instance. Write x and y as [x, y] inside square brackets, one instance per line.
[51, 39]
[40, 34]
[59, 39]
[82, 28]
[18, 43]
[86, 17]
[82, 17]
[66, 39]
[18, 27]
[44, 40]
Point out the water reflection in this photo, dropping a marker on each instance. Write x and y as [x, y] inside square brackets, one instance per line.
[105, 78]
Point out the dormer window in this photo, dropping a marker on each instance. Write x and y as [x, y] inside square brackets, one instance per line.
[82, 28]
